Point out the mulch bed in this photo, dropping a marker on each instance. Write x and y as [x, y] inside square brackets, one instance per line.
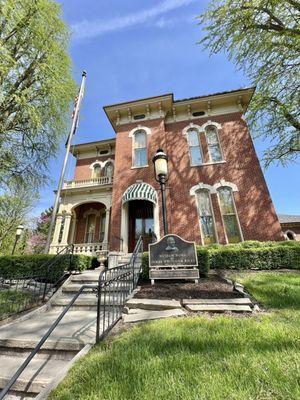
[213, 287]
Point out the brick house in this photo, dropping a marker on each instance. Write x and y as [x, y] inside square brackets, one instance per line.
[216, 190]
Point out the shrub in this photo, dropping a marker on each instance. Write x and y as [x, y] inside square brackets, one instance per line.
[145, 266]
[203, 260]
[38, 264]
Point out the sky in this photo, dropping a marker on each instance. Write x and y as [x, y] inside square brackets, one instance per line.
[134, 49]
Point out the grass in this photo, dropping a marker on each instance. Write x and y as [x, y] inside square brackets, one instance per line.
[276, 290]
[199, 358]
[12, 301]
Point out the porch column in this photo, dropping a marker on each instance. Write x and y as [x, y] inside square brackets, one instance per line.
[105, 240]
[57, 230]
[65, 234]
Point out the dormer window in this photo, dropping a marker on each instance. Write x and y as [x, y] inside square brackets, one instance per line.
[213, 144]
[194, 147]
[140, 149]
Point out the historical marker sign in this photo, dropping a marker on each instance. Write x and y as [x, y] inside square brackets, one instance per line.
[173, 258]
[172, 251]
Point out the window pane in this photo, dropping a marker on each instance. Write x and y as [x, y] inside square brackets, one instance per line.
[102, 227]
[90, 228]
[211, 135]
[196, 157]
[193, 138]
[96, 171]
[140, 139]
[206, 218]
[109, 170]
[140, 157]
[204, 203]
[232, 229]
[226, 201]
[215, 153]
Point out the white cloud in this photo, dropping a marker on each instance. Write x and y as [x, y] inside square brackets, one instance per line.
[89, 29]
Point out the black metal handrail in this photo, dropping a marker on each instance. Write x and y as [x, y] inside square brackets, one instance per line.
[120, 272]
[25, 289]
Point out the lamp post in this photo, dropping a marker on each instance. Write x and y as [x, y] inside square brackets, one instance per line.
[19, 231]
[160, 161]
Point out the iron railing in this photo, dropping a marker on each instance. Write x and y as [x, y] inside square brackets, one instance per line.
[114, 286]
[21, 290]
[109, 309]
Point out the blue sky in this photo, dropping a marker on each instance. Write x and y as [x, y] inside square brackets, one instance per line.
[133, 49]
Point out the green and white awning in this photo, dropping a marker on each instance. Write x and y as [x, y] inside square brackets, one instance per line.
[140, 191]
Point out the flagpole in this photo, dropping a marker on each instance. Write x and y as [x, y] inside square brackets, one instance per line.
[63, 170]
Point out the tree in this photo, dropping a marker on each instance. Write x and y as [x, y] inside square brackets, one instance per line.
[262, 38]
[15, 204]
[38, 236]
[36, 87]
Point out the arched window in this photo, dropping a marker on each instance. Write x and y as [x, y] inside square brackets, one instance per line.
[194, 147]
[213, 144]
[96, 172]
[140, 149]
[206, 216]
[109, 169]
[229, 215]
[290, 235]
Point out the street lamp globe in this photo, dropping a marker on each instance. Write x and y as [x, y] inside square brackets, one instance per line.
[19, 231]
[160, 161]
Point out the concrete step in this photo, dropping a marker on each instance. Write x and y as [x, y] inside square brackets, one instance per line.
[243, 301]
[18, 351]
[218, 308]
[88, 301]
[146, 315]
[112, 287]
[36, 376]
[152, 304]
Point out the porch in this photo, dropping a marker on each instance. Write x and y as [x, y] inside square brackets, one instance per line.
[86, 226]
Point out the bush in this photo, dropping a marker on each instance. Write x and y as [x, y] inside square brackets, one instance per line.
[272, 257]
[244, 255]
[38, 264]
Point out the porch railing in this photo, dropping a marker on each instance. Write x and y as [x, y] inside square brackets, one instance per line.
[82, 248]
[102, 180]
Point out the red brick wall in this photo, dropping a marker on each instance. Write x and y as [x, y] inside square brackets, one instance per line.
[254, 206]
[83, 170]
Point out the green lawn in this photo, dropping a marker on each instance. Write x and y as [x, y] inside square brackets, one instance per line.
[12, 301]
[200, 358]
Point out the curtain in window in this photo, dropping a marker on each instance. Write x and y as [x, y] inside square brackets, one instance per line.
[206, 217]
[102, 227]
[229, 215]
[194, 146]
[140, 149]
[213, 143]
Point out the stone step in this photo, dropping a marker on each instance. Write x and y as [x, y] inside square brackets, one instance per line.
[20, 352]
[243, 301]
[153, 304]
[88, 301]
[218, 307]
[36, 376]
[147, 315]
[113, 287]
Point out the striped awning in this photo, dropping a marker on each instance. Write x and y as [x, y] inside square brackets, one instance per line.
[140, 191]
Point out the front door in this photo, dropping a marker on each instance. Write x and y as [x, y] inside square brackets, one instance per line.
[140, 223]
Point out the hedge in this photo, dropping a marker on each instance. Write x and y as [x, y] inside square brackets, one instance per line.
[245, 255]
[37, 265]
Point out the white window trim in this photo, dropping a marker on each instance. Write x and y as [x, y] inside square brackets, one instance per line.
[223, 183]
[218, 127]
[211, 190]
[231, 186]
[101, 163]
[291, 232]
[185, 133]
[131, 134]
